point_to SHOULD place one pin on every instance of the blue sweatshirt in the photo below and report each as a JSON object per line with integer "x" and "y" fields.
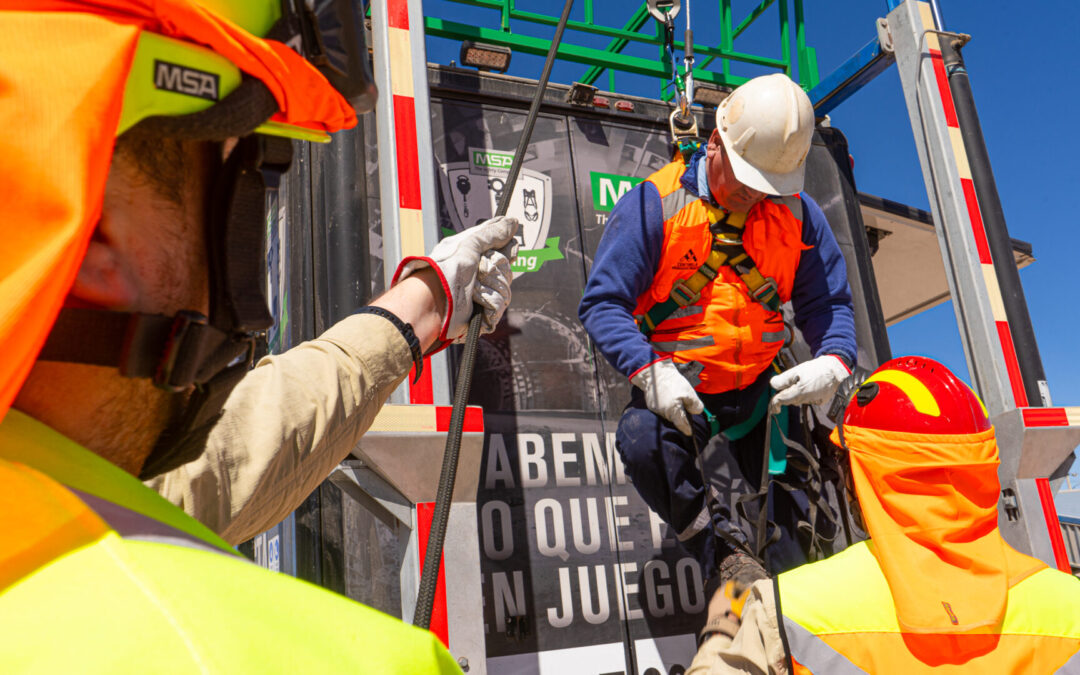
{"x": 627, "y": 258}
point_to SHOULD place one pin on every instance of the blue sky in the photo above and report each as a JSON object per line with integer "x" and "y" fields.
{"x": 1020, "y": 65}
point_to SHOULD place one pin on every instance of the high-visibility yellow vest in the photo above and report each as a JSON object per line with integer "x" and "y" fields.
{"x": 731, "y": 334}
{"x": 837, "y": 616}
{"x": 99, "y": 574}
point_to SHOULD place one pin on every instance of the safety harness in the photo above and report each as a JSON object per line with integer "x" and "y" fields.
{"x": 727, "y": 249}
{"x": 814, "y": 467}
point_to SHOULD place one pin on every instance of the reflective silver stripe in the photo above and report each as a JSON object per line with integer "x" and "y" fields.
{"x": 683, "y": 312}
{"x": 814, "y": 654}
{"x": 684, "y": 345}
{"x": 136, "y": 526}
{"x": 675, "y": 201}
{"x": 702, "y": 519}
{"x": 775, "y": 336}
{"x": 1070, "y": 667}
{"x": 793, "y": 203}
{"x": 699, "y": 524}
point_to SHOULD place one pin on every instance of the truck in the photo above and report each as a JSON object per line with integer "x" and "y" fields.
{"x": 552, "y": 562}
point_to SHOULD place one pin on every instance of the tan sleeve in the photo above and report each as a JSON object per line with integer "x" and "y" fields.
{"x": 756, "y": 648}
{"x": 288, "y": 423}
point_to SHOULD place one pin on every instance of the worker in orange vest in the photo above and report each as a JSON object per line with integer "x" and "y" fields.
{"x": 134, "y": 195}
{"x": 936, "y": 588}
{"x": 684, "y": 299}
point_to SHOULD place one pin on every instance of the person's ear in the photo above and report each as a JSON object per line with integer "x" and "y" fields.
{"x": 105, "y": 280}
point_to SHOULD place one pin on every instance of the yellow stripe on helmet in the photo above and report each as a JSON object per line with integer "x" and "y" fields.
{"x": 915, "y": 390}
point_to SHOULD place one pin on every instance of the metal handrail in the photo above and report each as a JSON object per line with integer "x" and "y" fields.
{"x": 634, "y": 30}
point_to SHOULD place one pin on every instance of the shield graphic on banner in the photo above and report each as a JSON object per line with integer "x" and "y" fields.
{"x": 472, "y": 194}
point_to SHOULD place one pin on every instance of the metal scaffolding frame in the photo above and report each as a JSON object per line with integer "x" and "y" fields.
{"x": 578, "y": 45}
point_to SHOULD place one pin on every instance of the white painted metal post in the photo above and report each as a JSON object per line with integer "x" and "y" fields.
{"x": 1026, "y": 512}
{"x": 406, "y": 172}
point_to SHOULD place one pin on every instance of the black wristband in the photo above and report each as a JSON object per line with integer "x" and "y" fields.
{"x": 845, "y": 360}
{"x": 406, "y": 331}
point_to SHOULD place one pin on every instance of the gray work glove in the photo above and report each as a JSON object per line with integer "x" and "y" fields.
{"x": 474, "y": 267}
{"x": 812, "y": 382}
{"x": 668, "y": 393}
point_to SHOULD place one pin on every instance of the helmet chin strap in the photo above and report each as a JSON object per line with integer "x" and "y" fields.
{"x": 190, "y": 351}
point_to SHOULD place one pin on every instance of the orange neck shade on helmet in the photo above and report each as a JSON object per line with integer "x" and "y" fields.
{"x": 924, "y": 464}
{"x": 63, "y": 71}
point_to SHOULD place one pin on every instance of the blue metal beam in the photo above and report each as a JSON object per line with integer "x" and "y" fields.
{"x": 852, "y": 75}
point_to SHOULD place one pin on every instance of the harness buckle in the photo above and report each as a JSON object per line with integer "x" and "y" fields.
{"x": 764, "y": 290}
{"x": 682, "y": 295}
{"x": 175, "y": 369}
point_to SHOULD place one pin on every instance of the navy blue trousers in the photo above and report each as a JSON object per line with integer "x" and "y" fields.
{"x": 660, "y": 462}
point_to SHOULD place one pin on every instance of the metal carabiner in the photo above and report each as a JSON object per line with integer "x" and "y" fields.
{"x": 662, "y": 10}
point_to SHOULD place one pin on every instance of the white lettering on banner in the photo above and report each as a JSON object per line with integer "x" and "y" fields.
{"x": 577, "y": 529}
{"x": 487, "y": 514}
{"x": 615, "y": 521}
{"x": 655, "y": 593}
{"x": 551, "y": 525}
{"x": 508, "y": 601}
{"x": 660, "y": 532}
{"x": 616, "y": 460}
{"x": 558, "y": 525}
{"x": 599, "y": 464}
{"x": 627, "y": 589}
{"x": 498, "y": 464}
{"x": 602, "y": 464}
{"x": 562, "y": 458}
{"x": 528, "y": 460}
{"x": 581, "y": 524}
{"x": 650, "y": 590}
{"x": 604, "y": 605}
{"x": 567, "y": 617}
{"x": 691, "y": 591}
{"x": 609, "y": 193}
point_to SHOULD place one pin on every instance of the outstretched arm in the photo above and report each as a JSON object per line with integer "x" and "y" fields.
{"x": 296, "y": 415}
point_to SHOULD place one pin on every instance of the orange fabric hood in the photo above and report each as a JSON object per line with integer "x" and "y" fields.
{"x": 929, "y": 502}
{"x": 63, "y": 69}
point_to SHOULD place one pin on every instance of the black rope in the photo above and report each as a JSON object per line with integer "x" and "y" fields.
{"x": 430, "y": 574}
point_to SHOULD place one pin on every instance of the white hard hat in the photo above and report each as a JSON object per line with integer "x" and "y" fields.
{"x": 766, "y": 126}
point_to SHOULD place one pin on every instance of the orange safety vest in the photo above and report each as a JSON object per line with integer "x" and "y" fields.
{"x": 838, "y": 616}
{"x": 731, "y": 335}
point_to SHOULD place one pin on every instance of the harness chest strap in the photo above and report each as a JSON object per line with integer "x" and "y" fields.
{"x": 727, "y": 249}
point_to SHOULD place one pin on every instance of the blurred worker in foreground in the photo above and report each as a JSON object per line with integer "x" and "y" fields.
{"x": 936, "y": 587}
{"x": 154, "y": 251}
{"x": 684, "y": 299}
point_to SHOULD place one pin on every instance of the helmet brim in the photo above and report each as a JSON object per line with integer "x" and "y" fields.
{"x": 781, "y": 184}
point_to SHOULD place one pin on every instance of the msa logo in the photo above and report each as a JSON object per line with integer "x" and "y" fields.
{"x": 182, "y": 80}
{"x": 492, "y": 160}
{"x": 607, "y": 188}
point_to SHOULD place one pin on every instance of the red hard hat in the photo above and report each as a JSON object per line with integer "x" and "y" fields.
{"x": 917, "y": 395}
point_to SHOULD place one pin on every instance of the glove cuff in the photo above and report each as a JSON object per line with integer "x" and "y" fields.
{"x": 844, "y": 360}
{"x": 647, "y": 366}
{"x": 415, "y": 263}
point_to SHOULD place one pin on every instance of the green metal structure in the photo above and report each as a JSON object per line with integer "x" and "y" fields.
{"x": 640, "y": 28}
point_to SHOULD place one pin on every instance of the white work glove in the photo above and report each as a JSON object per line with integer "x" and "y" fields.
{"x": 474, "y": 267}
{"x": 668, "y": 393}
{"x": 812, "y": 382}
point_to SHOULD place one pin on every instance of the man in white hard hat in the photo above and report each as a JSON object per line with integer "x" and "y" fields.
{"x": 683, "y": 298}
